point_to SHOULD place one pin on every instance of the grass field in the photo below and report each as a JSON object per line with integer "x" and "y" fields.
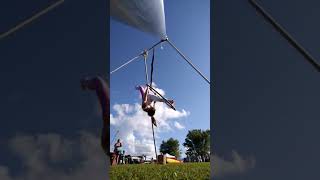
{"x": 156, "y": 171}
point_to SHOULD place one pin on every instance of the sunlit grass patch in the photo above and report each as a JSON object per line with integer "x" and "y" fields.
{"x": 156, "y": 171}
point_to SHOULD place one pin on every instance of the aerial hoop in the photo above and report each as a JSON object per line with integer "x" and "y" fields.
{"x": 158, "y": 94}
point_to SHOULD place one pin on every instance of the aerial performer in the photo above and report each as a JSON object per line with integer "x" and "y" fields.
{"x": 147, "y": 16}
{"x": 149, "y": 100}
{"x": 101, "y": 87}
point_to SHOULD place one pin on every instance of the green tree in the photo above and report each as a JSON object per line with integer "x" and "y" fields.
{"x": 197, "y": 143}
{"x": 171, "y": 146}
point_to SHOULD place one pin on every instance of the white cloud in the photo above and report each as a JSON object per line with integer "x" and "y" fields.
{"x": 112, "y": 120}
{"x": 178, "y": 125}
{"x": 134, "y": 125}
{"x": 237, "y": 165}
{"x": 41, "y": 154}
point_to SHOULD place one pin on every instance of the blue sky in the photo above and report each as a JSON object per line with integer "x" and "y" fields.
{"x": 188, "y": 27}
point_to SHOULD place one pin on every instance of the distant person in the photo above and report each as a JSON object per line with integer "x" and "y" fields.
{"x": 148, "y": 102}
{"x": 123, "y": 157}
{"x": 118, "y": 149}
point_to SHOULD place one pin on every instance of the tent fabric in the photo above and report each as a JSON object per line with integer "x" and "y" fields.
{"x": 169, "y": 156}
{"x": 145, "y": 15}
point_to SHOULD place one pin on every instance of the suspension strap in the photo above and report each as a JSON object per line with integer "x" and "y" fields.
{"x": 154, "y": 142}
{"x": 151, "y": 80}
{"x": 145, "y": 55}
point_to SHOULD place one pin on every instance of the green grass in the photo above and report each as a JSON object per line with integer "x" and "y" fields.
{"x": 156, "y": 171}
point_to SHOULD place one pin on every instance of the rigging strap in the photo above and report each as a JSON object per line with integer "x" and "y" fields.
{"x": 154, "y": 142}
{"x": 145, "y": 55}
{"x": 152, "y": 67}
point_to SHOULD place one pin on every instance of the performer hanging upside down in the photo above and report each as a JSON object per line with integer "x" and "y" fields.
{"x": 148, "y": 102}
{"x": 101, "y": 87}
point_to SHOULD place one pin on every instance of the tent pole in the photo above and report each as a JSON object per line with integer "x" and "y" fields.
{"x": 31, "y": 19}
{"x": 137, "y": 56}
{"x": 188, "y": 60}
{"x": 285, "y": 34}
